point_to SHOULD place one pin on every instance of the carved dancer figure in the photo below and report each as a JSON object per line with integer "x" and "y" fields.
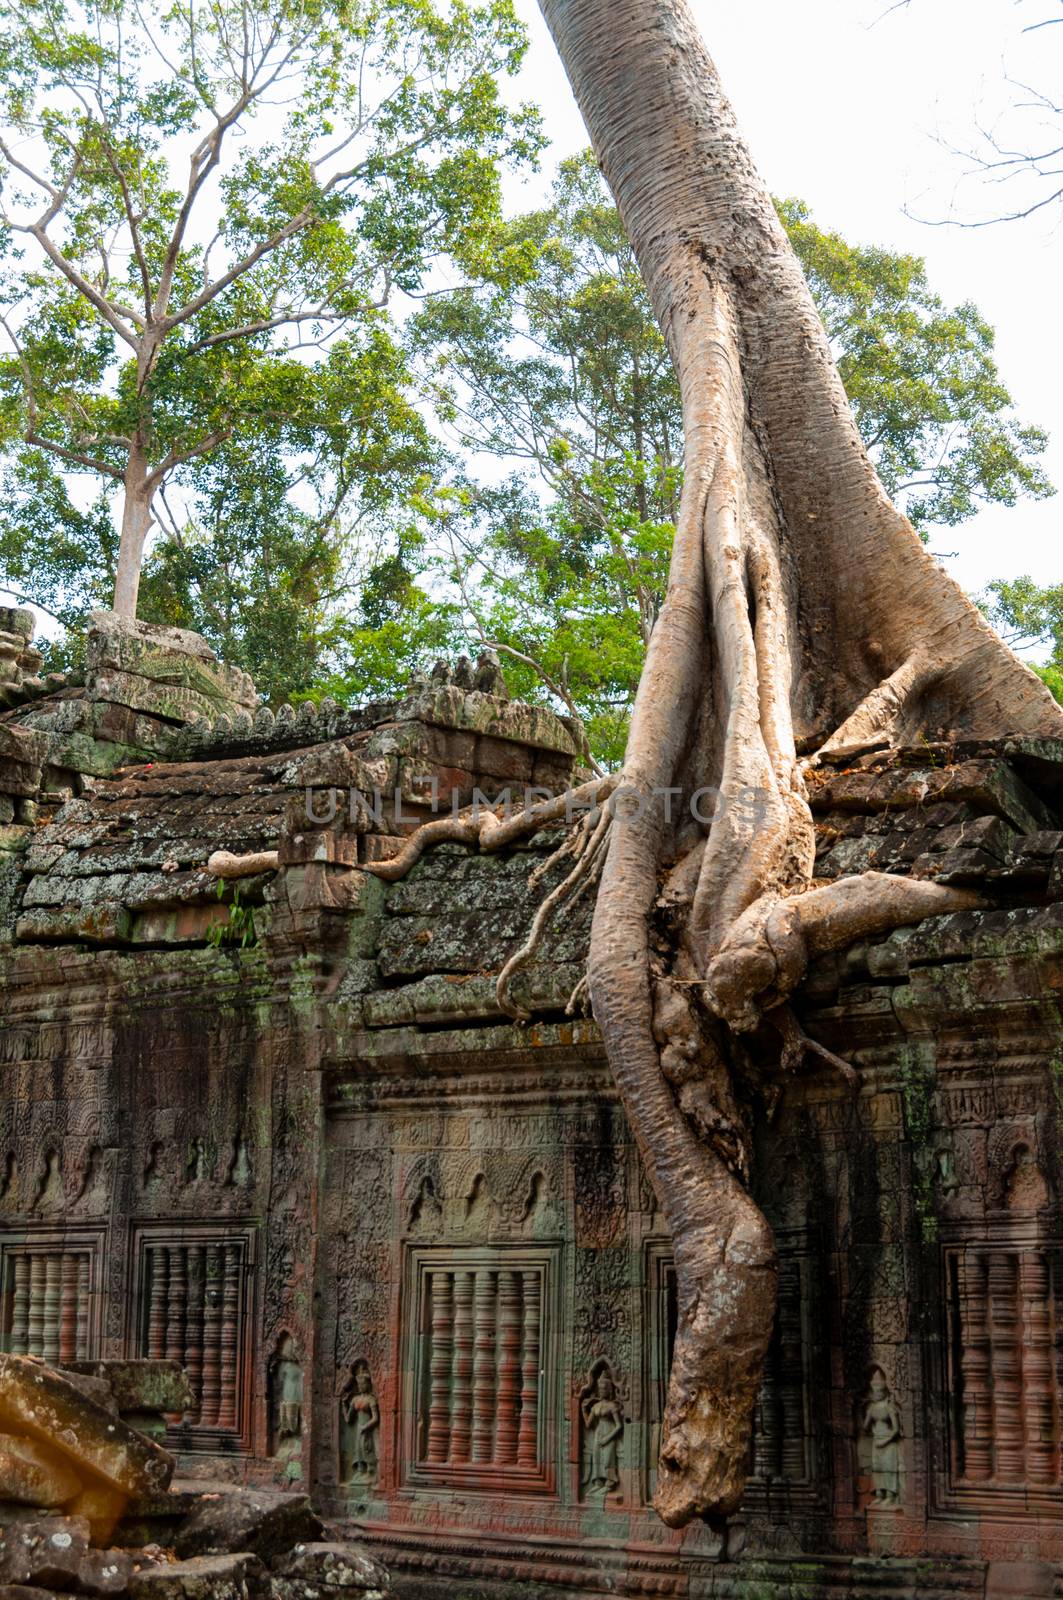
{"x": 603, "y": 1420}
{"x": 882, "y": 1420}
{"x": 361, "y": 1411}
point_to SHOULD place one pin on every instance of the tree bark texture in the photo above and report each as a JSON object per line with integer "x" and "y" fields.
{"x": 802, "y": 614}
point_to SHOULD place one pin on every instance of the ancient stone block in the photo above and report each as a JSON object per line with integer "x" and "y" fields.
{"x": 34, "y": 1475}
{"x": 47, "y": 1551}
{"x": 221, "y": 1577}
{"x": 141, "y": 1385}
{"x": 263, "y": 1521}
{"x": 334, "y": 1566}
{"x": 110, "y": 1460}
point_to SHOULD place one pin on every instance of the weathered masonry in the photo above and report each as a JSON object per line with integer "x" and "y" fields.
{"x": 404, "y": 1248}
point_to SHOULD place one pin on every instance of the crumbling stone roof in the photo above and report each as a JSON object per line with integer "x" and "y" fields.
{"x": 122, "y": 863}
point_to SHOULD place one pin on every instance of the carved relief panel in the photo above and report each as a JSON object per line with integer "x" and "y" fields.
{"x": 50, "y": 1296}
{"x": 481, "y": 1365}
{"x": 191, "y": 1303}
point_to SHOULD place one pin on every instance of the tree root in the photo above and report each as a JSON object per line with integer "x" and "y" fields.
{"x": 480, "y": 826}
{"x": 797, "y": 1047}
{"x": 590, "y": 852}
{"x": 224, "y": 864}
{"x": 766, "y": 954}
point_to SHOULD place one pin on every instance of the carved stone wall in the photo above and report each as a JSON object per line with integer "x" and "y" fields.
{"x": 406, "y": 1250}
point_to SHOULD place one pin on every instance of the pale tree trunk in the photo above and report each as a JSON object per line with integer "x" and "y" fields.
{"x": 802, "y": 613}
{"x": 137, "y": 522}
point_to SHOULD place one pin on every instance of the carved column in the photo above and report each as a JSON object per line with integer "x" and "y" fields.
{"x": 974, "y": 1369}
{"x": 194, "y": 1322}
{"x": 1039, "y": 1397}
{"x": 53, "y": 1267}
{"x": 440, "y": 1290}
{"x": 461, "y": 1392}
{"x": 230, "y": 1334}
{"x": 211, "y": 1390}
{"x": 176, "y": 1299}
{"x": 20, "y": 1306}
{"x": 1008, "y": 1440}
{"x": 507, "y": 1420}
{"x": 528, "y": 1438}
{"x": 82, "y": 1335}
{"x": 68, "y": 1308}
{"x": 483, "y": 1369}
{"x": 35, "y": 1315}
{"x": 157, "y": 1277}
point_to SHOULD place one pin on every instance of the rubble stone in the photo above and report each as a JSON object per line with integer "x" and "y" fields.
{"x": 334, "y": 1566}
{"x": 213, "y": 1577}
{"x": 32, "y": 1474}
{"x": 266, "y": 1522}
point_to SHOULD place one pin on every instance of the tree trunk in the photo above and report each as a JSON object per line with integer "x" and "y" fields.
{"x": 802, "y": 613}
{"x": 137, "y": 521}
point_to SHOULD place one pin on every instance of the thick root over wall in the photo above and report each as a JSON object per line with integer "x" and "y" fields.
{"x": 802, "y": 615}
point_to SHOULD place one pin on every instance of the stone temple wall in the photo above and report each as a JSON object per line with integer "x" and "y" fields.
{"x": 405, "y": 1248}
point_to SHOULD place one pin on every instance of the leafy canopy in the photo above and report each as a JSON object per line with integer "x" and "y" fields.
{"x": 1029, "y": 615}
{"x": 205, "y": 213}
{"x": 564, "y": 379}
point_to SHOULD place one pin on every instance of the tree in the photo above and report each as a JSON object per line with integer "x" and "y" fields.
{"x": 803, "y": 616}
{"x": 1029, "y": 614}
{"x": 333, "y": 153}
{"x": 567, "y": 374}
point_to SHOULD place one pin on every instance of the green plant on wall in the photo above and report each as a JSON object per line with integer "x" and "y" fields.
{"x": 240, "y": 927}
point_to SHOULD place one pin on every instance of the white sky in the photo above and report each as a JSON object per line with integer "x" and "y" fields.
{"x": 848, "y": 112}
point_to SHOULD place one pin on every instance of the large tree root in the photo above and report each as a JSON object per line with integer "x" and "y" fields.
{"x": 802, "y": 614}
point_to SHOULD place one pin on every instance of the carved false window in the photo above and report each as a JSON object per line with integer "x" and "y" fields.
{"x": 782, "y": 1447}
{"x": 50, "y": 1300}
{"x": 1005, "y": 1322}
{"x": 479, "y": 1334}
{"x": 192, "y": 1295}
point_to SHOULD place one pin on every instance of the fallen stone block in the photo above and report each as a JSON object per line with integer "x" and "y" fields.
{"x": 138, "y": 1387}
{"x": 45, "y": 1551}
{"x": 224, "y": 1577}
{"x": 266, "y": 1522}
{"x": 154, "y": 1518}
{"x": 104, "y": 1572}
{"x": 336, "y": 1565}
{"x": 32, "y": 1474}
{"x": 111, "y": 1461}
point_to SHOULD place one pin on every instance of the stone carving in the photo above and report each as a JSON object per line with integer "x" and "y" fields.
{"x": 1025, "y": 1188}
{"x": 426, "y": 1214}
{"x": 285, "y": 1398}
{"x": 196, "y": 1165}
{"x": 603, "y": 1430}
{"x": 882, "y": 1426}
{"x": 359, "y": 1426}
{"x": 50, "y": 1187}
{"x": 240, "y": 1167}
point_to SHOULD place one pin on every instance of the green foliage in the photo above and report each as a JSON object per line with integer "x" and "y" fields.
{"x": 1028, "y": 614}
{"x": 207, "y": 211}
{"x": 565, "y": 373}
{"x": 239, "y": 929}
{"x": 921, "y": 379}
